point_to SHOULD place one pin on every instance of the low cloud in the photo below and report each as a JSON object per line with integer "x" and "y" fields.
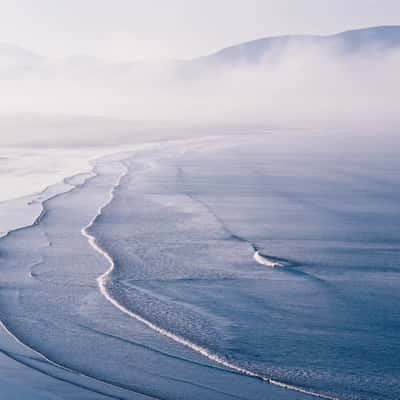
{"x": 298, "y": 87}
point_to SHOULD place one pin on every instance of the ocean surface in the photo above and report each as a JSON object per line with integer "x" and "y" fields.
{"x": 139, "y": 279}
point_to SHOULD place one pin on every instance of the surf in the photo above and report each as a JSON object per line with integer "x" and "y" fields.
{"x": 103, "y": 280}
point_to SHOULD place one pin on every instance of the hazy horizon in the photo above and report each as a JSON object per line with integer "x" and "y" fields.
{"x": 88, "y": 68}
{"x": 295, "y": 85}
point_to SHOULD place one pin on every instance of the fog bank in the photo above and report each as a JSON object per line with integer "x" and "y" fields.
{"x": 307, "y": 86}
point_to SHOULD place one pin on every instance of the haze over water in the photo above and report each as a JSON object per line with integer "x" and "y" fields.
{"x": 183, "y": 220}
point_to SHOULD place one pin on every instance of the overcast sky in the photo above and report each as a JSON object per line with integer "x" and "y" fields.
{"x": 160, "y": 29}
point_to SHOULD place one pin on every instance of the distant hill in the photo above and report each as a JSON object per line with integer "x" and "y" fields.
{"x": 385, "y": 37}
{"x": 13, "y": 56}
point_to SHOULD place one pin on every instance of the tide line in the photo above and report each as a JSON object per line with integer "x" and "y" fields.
{"x": 102, "y": 284}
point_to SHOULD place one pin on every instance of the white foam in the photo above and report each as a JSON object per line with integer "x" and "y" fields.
{"x": 102, "y": 284}
{"x": 261, "y": 259}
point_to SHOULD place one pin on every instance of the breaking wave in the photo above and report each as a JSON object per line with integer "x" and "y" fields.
{"x": 105, "y": 278}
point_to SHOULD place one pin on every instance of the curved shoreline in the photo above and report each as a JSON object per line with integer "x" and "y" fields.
{"x": 102, "y": 284}
{"x": 37, "y": 219}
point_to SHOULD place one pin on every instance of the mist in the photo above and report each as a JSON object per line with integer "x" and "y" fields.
{"x": 300, "y": 86}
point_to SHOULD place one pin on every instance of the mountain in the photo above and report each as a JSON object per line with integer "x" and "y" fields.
{"x": 383, "y": 37}
{"x": 13, "y": 56}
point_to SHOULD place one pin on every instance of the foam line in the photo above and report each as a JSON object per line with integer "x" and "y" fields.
{"x": 102, "y": 284}
{"x": 3, "y": 325}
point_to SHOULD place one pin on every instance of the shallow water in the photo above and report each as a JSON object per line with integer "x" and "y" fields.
{"x": 327, "y": 321}
{"x": 180, "y": 222}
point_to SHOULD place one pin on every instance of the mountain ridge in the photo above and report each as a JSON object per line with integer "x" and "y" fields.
{"x": 385, "y": 37}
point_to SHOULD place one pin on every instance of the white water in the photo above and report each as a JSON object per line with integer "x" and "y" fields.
{"x": 266, "y": 261}
{"x": 102, "y": 284}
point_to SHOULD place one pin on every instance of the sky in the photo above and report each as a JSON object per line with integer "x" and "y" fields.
{"x": 119, "y": 30}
